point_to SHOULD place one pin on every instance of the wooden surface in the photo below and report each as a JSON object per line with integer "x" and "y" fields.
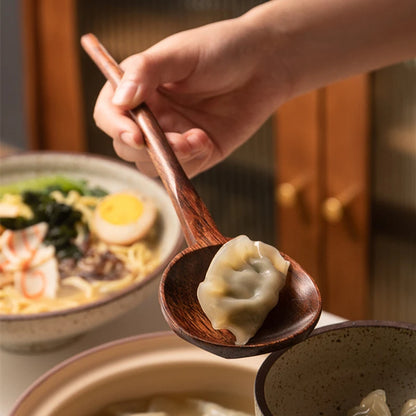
{"x": 299, "y": 143}
{"x": 323, "y": 138}
{"x": 290, "y": 321}
{"x": 52, "y": 75}
{"x": 347, "y": 177}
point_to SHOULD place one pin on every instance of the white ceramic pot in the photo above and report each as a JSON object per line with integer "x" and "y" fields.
{"x": 140, "y": 367}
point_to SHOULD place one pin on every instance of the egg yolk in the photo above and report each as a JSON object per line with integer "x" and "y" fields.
{"x": 121, "y": 209}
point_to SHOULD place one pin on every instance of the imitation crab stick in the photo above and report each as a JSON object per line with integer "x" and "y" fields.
{"x": 18, "y": 248}
{"x": 39, "y": 281}
{"x": 35, "y": 276}
{"x": 33, "y": 264}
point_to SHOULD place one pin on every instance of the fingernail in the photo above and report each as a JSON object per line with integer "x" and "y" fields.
{"x": 128, "y": 138}
{"x": 124, "y": 92}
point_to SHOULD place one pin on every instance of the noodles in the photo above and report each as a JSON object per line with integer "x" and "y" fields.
{"x": 103, "y": 269}
{"x": 16, "y": 200}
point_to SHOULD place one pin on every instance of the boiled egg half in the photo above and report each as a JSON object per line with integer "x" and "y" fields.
{"x": 123, "y": 218}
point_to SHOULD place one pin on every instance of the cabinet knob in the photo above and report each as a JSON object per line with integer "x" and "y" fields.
{"x": 287, "y": 194}
{"x": 333, "y": 210}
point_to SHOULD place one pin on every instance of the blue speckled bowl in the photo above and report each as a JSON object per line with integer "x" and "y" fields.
{"x": 332, "y": 370}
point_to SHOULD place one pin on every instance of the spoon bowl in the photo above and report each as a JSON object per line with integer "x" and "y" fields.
{"x": 289, "y": 322}
{"x": 299, "y": 306}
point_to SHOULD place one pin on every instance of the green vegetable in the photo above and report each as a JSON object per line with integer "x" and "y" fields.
{"x": 50, "y": 183}
{"x": 41, "y": 183}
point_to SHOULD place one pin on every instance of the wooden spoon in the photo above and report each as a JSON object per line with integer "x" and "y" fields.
{"x": 299, "y": 306}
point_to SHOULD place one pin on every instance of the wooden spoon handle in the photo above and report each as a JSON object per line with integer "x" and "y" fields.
{"x": 197, "y": 224}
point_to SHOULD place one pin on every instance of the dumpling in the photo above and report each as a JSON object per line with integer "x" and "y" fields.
{"x": 176, "y": 406}
{"x": 242, "y": 285}
{"x": 169, "y": 405}
{"x": 374, "y": 404}
{"x": 409, "y": 408}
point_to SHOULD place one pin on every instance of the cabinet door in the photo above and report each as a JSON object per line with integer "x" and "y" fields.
{"x": 52, "y": 75}
{"x": 322, "y": 166}
{"x": 346, "y": 204}
{"x": 299, "y": 144}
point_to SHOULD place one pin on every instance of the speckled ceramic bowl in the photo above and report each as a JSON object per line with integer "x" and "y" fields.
{"x": 139, "y": 367}
{"x": 331, "y": 371}
{"x": 35, "y": 332}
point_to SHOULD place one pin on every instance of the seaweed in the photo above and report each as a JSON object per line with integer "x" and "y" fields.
{"x": 61, "y": 220}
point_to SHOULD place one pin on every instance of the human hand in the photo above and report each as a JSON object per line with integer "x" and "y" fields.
{"x": 210, "y": 89}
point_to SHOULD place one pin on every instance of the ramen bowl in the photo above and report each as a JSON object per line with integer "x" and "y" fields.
{"x": 336, "y": 367}
{"x": 140, "y": 367}
{"x": 33, "y": 332}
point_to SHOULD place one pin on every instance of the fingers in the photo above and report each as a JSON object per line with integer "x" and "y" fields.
{"x": 114, "y": 121}
{"x": 165, "y": 63}
{"x": 136, "y": 83}
{"x": 169, "y": 61}
{"x": 194, "y": 150}
{"x": 143, "y": 74}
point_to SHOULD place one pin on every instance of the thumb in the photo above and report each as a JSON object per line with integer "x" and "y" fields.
{"x": 163, "y": 63}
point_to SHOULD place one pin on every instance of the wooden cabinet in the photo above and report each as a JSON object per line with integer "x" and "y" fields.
{"x": 322, "y": 193}
{"x": 54, "y": 109}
